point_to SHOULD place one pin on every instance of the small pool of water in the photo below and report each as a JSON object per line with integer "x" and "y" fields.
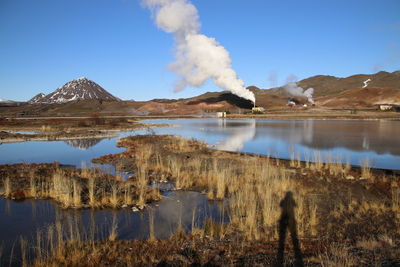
{"x": 176, "y": 209}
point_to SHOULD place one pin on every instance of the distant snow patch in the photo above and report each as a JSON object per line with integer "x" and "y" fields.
{"x": 366, "y": 83}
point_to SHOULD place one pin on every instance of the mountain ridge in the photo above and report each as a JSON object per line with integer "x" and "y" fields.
{"x": 364, "y": 91}
{"x": 77, "y": 89}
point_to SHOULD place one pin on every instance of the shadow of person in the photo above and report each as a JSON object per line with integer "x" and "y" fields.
{"x": 288, "y": 221}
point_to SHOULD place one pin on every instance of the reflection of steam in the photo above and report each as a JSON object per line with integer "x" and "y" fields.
{"x": 239, "y": 135}
{"x": 83, "y": 144}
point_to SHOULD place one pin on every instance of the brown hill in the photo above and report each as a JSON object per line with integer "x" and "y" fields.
{"x": 361, "y": 97}
{"x": 357, "y": 91}
{"x": 329, "y": 85}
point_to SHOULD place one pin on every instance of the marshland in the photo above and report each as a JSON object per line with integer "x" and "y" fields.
{"x": 202, "y": 191}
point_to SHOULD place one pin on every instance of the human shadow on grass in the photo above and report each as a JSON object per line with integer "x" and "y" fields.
{"x": 287, "y": 221}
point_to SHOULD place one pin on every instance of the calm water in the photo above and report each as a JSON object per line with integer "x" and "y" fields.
{"x": 25, "y": 219}
{"x": 378, "y": 141}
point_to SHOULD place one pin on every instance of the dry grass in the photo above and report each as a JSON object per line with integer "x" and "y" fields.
{"x": 114, "y": 229}
{"x": 253, "y": 185}
{"x": 369, "y": 244}
{"x": 396, "y": 199}
{"x": 46, "y": 128}
{"x": 142, "y": 184}
{"x": 152, "y": 236}
{"x": 91, "y": 192}
{"x": 337, "y": 256}
{"x": 366, "y": 169}
{"x": 24, "y": 247}
{"x": 7, "y": 187}
{"x": 87, "y": 188}
{"x": 33, "y": 190}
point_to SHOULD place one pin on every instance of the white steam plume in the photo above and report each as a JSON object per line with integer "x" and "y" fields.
{"x": 198, "y": 57}
{"x": 292, "y": 89}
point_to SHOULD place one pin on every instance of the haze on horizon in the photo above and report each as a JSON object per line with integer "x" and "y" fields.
{"x": 45, "y": 43}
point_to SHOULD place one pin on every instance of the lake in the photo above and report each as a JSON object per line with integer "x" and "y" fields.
{"x": 353, "y": 141}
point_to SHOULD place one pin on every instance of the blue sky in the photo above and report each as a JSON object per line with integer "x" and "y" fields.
{"x": 46, "y": 43}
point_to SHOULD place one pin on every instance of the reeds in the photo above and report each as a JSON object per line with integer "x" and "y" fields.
{"x": 24, "y": 247}
{"x": 152, "y": 236}
{"x": 366, "y": 169}
{"x": 396, "y": 200}
{"x": 114, "y": 199}
{"x": 46, "y": 128}
{"x": 114, "y": 229}
{"x": 7, "y": 187}
{"x": 338, "y": 255}
{"x": 32, "y": 185}
{"x": 87, "y": 188}
{"x": 142, "y": 185}
{"x": 91, "y": 192}
{"x": 254, "y": 185}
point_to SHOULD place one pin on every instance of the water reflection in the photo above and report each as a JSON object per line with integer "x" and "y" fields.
{"x": 381, "y": 137}
{"x": 50, "y": 151}
{"x": 239, "y": 135}
{"x": 176, "y": 209}
{"x": 291, "y": 132}
{"x": 83, "y": 144}
{"x": 356, "y": 140}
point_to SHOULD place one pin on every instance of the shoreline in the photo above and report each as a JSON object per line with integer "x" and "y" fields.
{"x": 321, "y": 113}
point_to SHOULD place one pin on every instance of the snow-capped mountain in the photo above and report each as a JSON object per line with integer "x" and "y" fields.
{"x": 37, "y": 98}
{"x": 5, "y": 101}
{"x": 78, "y": 89}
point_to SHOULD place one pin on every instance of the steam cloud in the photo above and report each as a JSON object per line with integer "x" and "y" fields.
{"x": 198, "y": 57}
{"x": 292, "y": 89}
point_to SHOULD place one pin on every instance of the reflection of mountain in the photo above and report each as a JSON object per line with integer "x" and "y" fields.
{"x": 291, "y": 132}
{"x": 83, "y": 144}
{"x": 377, "y": 136}
{"x": 239, "y": 134}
